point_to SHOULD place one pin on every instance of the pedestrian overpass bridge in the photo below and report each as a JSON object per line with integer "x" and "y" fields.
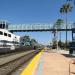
{"x": 36, "y": 27}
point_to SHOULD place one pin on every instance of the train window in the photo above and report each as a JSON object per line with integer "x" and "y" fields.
{"x": 5, "y": 34}
{"x": 9, "y": 35}
{"x": 1, "y": 33}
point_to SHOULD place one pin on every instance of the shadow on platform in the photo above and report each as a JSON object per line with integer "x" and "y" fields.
{"x": 68, "y": 55}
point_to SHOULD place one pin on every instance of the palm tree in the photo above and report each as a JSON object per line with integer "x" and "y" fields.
{"x": 58, "y": 25}
{"x": 71, "y": 1}
{"x": 65, "y": 9}
{"x": 54, "y": 32}
{"x": 54, "y": 40}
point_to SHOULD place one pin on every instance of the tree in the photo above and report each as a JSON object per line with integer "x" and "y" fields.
{"x": 25, "y": 40}
{"x": 54, "y": 31}
{"x": 54, "y": 40}
{"x": 58, "y": 25}
{"x": 33, "y": 42}
{"x": 65, "y": 9}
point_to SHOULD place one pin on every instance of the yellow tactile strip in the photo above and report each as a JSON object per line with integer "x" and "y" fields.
{"x": 29, "y": 70}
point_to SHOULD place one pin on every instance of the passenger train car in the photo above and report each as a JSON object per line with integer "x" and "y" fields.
{"x": 8, "y": 40}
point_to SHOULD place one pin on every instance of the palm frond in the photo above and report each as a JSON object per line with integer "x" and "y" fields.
{"x": 66, "y": 8}
{"x": 58, "y": 23}
{"x": 61, "y": 10}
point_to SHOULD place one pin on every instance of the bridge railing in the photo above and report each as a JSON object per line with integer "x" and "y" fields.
{"x": 29, "y": 27}
{"x": 35, "y": 27}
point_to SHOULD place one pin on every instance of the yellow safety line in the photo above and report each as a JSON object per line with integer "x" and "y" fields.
{"x": 29, "y": 70}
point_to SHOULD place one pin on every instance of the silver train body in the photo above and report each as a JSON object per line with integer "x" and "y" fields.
{"x": 8, "y": 40}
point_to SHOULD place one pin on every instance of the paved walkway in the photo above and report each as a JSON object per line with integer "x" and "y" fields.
{"x": 52, "y": 63}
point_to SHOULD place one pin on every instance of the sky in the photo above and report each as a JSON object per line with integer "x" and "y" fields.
{"x": 34, "y": 11}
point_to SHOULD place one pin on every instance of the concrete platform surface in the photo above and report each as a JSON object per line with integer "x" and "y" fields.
{"x": 52, "y": 63}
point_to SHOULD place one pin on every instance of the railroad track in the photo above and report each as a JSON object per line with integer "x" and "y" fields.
{"x": 9, "y": 54}
{"x": 9, "y": 67}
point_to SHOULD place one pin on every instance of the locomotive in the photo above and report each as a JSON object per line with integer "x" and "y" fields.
{"x": 8, "y": 40}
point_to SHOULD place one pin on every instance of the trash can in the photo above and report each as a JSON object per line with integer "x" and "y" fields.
{"x": 71, "y": 51}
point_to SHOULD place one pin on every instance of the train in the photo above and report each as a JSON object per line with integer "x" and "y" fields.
{"x": 8, "y": 41}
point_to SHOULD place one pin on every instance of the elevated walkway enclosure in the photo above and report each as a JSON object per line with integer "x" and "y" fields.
{"x": 30, "y": 27}
{"x": 33, "y": 27}
{"x": 36, "y": 27}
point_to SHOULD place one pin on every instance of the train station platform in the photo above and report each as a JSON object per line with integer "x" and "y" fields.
{"x": 49, "y": 63}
